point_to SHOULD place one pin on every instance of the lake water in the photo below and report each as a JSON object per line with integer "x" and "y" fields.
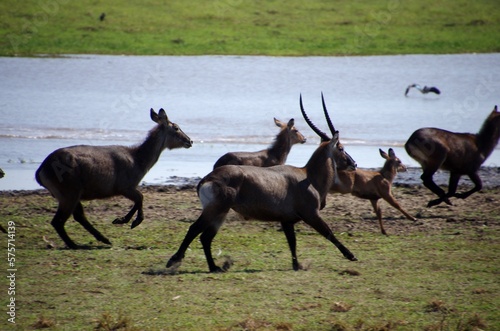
{"x": 227, "y": 103}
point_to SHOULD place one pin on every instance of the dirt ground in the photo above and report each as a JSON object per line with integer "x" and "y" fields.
{"x": 344, "y": 213}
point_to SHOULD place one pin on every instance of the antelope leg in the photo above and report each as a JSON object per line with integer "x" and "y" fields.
{"x": 79, "y": 216}
{"x": 478, "y": 185}
{"x": 288, "y": 229}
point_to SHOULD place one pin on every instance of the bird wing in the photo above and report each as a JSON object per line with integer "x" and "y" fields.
{"x": 434, "y": 90}
{"x": 408, "y": 88}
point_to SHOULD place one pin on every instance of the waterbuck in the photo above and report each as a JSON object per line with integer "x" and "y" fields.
{"x": 274, "y": 155}
{"x": 373, "y": 185}
{"x": 458, "y": 153}
{"x": 282, "y": 193}
{"x": 83, "y": 172}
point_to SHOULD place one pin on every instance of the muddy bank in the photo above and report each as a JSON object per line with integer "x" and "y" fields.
{"x": 489, "y": 175}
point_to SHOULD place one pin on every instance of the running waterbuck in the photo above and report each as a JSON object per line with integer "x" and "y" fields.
{"x": 458, "y": 153}
{"x": 83, "y": 172}
{"x": 282, "y": 193}
{"x": 274, "y": 155}
{"x": 373, "y": 185}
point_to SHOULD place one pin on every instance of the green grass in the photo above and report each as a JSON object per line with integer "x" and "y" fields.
{"x": 436, "y": 275}
{"x": 281, "y": 28}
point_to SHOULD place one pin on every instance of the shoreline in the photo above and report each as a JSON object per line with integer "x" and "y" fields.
{"x": 490, "y": 177}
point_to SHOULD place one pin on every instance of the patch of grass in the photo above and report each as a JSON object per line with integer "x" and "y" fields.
{"x": 288, "y": 28}
{"x": 424, "y": 276}
{"x": 108, "y": 323}
{"x": 43, "y": 323}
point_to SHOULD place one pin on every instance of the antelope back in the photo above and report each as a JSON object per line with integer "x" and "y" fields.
{"x": 174, "y": 136}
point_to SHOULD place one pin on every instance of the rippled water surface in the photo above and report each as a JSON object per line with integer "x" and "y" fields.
{"x": 227, "y": 103}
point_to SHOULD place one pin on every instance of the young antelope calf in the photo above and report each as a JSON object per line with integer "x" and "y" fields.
{"x": 373, "y": 185}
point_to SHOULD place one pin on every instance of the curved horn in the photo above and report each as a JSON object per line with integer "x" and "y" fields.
{"x": 320, "y": 133}
{"x": 328, "y": 120}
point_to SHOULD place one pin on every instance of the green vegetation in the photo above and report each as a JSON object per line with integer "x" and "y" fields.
{"x": 440, "y": 273}
{"x": 289, "y": 28}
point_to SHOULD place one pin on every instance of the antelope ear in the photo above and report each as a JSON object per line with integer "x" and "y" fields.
{"x": 154, "y": 116}
{"x": 278, "y": 123}
{"x": 335, "y": 138}
{"x": 291, "y": 123}
{"x": 391, "y": 153}
{"x": 383, "y": 154}
{"x": 162, "y": 115}
{"x": 495, "y": 110}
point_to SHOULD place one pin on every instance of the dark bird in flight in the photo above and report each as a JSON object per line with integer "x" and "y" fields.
{"x": 424, "y": 90}
{"x": 101, "y": 18}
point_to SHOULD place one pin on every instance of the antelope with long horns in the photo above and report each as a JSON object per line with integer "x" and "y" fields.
{"x": 83, "y": 172}
{"x": 459, "y": 153}
{"x": 282, "y": 193}
{"x": 274, "y": 155}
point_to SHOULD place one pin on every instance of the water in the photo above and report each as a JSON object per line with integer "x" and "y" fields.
{"x": 227, "y": 103}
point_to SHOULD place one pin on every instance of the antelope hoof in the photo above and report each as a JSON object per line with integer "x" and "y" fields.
{"x": 72, "y": 246}
{"x": 121, "y": 220}
{"x": 436, "y": 202}
{"x": 297, "y": 266}
{"x": 217, "y": 270}
{"x": 104, "y": 240}
{"x": 351, "y": 258}
{"x": 433, "y": 203}
{"x": 136, "y": 222}
{"x": 174, "y": 262}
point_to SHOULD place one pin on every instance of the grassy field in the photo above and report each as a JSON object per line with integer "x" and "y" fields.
{"x": 289, "y": 28}
{"x": 440, "y": 273}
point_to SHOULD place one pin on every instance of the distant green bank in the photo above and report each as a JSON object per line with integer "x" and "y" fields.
{"x": 238, "y": 27}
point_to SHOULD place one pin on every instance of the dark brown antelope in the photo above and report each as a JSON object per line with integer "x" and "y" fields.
{"x": 373, "y": 185}
{"x": 282, "y": 193}
{"x": 459, "y": 153}
{"x": 274, "y": 155}
{"x": 82, "y": 172}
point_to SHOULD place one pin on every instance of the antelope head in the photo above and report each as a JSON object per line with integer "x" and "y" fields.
{"x": 174, "y": 136}
{"x": 295, "y": 136}
{"x": 343, "y": 160}
{"x": 393, "y": 160}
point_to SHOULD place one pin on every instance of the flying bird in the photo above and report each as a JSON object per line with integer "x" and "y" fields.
{"x": 424, "y": 90}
